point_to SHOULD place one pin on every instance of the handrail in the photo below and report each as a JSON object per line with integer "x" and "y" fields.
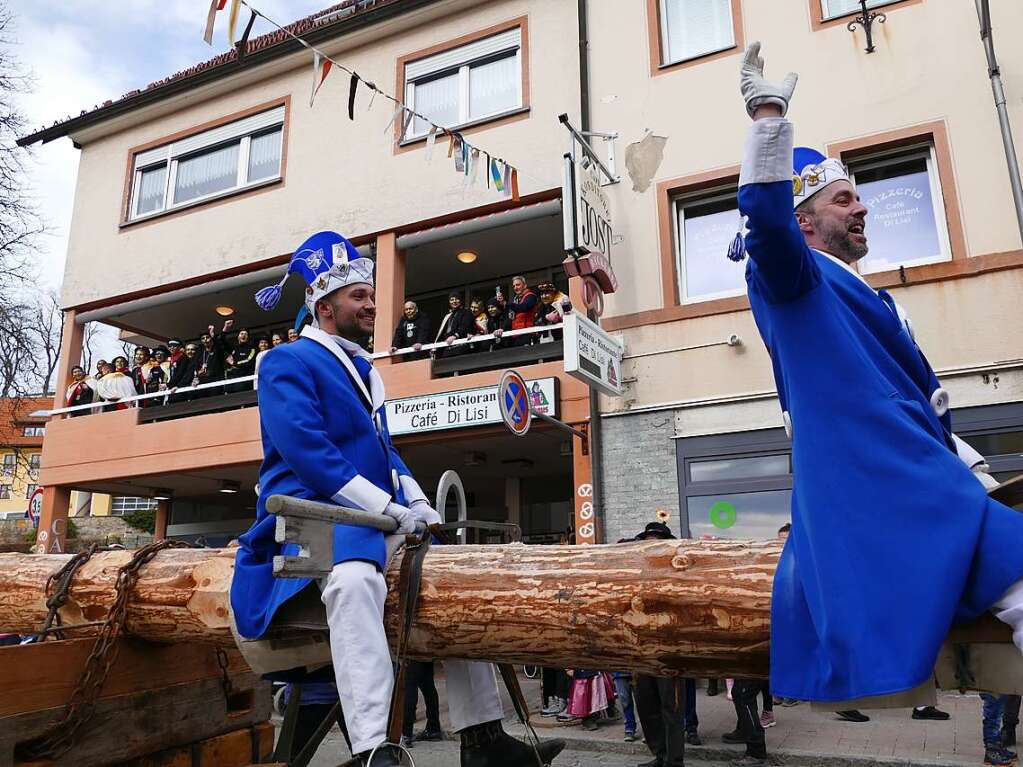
{"x": 540, "y": 329}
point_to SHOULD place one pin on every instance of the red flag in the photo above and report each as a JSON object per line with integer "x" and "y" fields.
{"x": 321, "y": 68}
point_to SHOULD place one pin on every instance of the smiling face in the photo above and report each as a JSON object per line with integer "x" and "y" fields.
{"x": 191, "y": 350}
{"x": 263, "y": 344}
{"x": 141, "y": 355}
{"x": 276, "y": 339}
{"x": 454, "y": 302}
{"x": 77, "y": 373}
{"x": 120, "y": 364}
{"x": 349, "y": 312}
{"x": 292, "y": 335}
{"x": 476, "y": 307}
{"x": 834, "y": 220}
{"x": 206, "y": 340}
{"x": 410, "y": 310}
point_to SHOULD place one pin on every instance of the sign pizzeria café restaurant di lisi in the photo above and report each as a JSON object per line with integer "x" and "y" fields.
{"x": 458, "y": 409}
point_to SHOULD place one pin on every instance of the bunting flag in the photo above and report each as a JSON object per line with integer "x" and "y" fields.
{"x": 495, "y": 173}
{"x": 431, "y": 139}
{"x": 515, "y": 184}
{"x": 321, "y": 68}
{"x": 352, "y": 85}
{"x": 506, "y": 178}
{"x": 459, "y": 146}
{"x": 211, "y": 17}
{"x": 243, "y": 44}
{"x": 232, "y": 21}
{"x": 474, "y": 164}
{"x": 400, "y": 108}
{"x": 405, "y": 123}
{"x": 451, "y": 144}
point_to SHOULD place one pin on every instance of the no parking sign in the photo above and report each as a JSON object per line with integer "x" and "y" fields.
{"x": 513, "y": 399}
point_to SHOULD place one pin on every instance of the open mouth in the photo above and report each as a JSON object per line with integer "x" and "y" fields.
{"x": 856, "y": 228}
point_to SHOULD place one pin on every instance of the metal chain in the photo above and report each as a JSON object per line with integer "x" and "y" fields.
{"x": 225, "y": 679}
{"x": 59, "y": 738}
{"x": 60, "y": 596}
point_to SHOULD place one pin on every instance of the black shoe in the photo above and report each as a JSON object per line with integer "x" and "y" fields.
{"x": 733, "y": 737}
{"x": 430, "y": 734}
{"x": 488, "y": 745}
{"x": 385, "y": 756}
{"x": 712, "y": 687}
{"x": 655, "y": 762}
{"x": 693, "y": 739}
{"x": 853, "y": 716}
{"x": 1008, "y": 736}
{"x": 930, "y": 712}
{"x": 408, "y": 741}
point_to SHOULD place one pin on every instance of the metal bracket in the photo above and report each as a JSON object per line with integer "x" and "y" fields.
{"x": 581, "y": 139}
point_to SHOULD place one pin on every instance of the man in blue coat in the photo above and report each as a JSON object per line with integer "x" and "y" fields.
{"x": 325, "y": 438}
{"x": 893, "y": 537}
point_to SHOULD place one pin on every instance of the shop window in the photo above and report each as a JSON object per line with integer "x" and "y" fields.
{"x": 831, "y": 9}
{"x": 694, "y": 28}
{"x": 207, "y": 165}
{"x": 735, "y": 485}
{"x": 29, "y": 489}
{"x": 906, "y": 223}
{"x": 705, "y": 225}
{"x": 126, "y": 504}
{"x": 466, "y": 84}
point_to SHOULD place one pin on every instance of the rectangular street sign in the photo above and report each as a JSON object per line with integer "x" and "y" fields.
{"x": 592, "y": 356}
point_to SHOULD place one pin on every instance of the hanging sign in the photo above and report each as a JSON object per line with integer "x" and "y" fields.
{"x": 586, "y": 209}
{"x": 592, "y": 356}
{"x": 459, "y": 409}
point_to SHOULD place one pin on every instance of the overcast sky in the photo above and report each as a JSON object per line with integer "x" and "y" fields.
{"x": 82, "y": 52}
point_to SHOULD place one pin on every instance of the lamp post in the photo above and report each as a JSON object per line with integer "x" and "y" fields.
{"x": 866, "y": 20}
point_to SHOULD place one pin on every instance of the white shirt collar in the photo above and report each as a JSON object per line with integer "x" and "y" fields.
{"x": 844, "y": 265}
{"x": 352, "y": 348}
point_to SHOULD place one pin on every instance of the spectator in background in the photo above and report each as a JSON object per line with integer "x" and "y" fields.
{"x": 293, "y": 335}
{"x": 79, "y": 392}
{"x": 155, "y": 382}
{"x": 419, "y": 678}
{"x": 498, "y": 321}
{"x": 102, "y": 368}
{"x": 117, "y": 384}
{"x": 1010, "y": 720}
{"x": 161, "y": 356}
{"x": 623, "y": 689}
{"x": 749, "y": 729}
{"x": 212, "y": 358}
{"x": 140, "y": 372}
{"x": 276, "y": 339}
{"x": 554, "y": 305}
{"x": 262, "y": 347}
{"x": 241, "y": 361}
{"x": 457, "y": 323}
{"x": 413, "y": 330}
{"x": 523, "y": 306}
{"x": 182, "y": 370}
{"x": 995, "y": 753}
{"x": 591, "y": 695}
{"x": 554, "y": 690}
{"x": 176, "y": 350}
{"x": 478, "y": 310}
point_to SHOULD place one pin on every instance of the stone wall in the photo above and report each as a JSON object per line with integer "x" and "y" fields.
{"x": 640, "y": 475}
{"x": 103, "y": 530}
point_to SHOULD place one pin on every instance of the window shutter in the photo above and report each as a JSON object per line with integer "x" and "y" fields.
{"x": 464, "y": 54}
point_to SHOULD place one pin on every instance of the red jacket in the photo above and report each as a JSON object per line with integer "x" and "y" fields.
{"x": 524, "y": 310}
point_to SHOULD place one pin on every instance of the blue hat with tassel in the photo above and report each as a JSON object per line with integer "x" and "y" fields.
{"x": 327, "y": 262}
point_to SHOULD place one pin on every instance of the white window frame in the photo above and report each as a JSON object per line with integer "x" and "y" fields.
{"x": 34, "y": 431}
{"x": 461, "y": 59}
{"x": 118, "y": 507}
{"x": 924, "y": 151}
{"x": 828, "y": 16}
{"x": 678, "y": 205}
{"x": 666, "y": 59}
{"x": 169, "y": 155}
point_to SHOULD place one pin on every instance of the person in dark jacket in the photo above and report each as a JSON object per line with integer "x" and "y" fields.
{"x": 212, "y": 359}
{"x": 498, "y": 322}
{"x": 241, "y": 362}
{"x": 413, "y": 330}
{"x": 183, "y": 373}
{"x": 457, "y": 323}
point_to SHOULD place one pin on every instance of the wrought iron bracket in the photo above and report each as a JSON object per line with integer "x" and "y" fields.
{"x": 866, "y": 20}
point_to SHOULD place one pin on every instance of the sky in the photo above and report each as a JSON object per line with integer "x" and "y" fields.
{"x": 83, "y": 52}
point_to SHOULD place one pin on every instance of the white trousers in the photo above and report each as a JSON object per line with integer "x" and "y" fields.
{"x": 1009, "y": 609}
{"x": 354, "y": 595}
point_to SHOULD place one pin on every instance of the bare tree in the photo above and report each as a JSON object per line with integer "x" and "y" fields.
{"x": 45, "y": 333}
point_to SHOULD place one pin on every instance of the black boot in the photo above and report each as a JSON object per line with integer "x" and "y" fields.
{"x": 488, "y": 745}
{"x": 385, "y": 756}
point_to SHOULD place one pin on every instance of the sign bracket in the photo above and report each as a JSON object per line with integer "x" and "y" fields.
{"x": 581, "y": 139}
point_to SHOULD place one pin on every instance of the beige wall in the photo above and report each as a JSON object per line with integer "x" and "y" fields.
{"x": 340, "y": 174}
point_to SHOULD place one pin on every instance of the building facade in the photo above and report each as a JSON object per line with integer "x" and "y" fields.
{"x": 195, "y": 191}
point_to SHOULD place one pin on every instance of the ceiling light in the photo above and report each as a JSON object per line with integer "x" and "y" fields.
{"x": 162, "y": 494}
{"x": 225, "y": 311}
{"x": 229, "y": 487}
{"x": 466, "y": 256}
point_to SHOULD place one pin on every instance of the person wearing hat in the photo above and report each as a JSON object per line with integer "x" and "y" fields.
{"x": 666, "y": 707}
{"x": 325, "y": 438}
{"x": 893, "y": 537}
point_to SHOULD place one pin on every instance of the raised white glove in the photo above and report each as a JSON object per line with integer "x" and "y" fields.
{"x": 756, "y": 90}
{"x": 425, "y": 513}
{"x": 403, "y": 516}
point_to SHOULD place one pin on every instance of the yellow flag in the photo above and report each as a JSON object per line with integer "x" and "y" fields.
{"x": 232, "y": 20}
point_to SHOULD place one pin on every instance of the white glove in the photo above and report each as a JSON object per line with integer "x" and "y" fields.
{"x": 403, "y": 516}
{"x": 756, "y": 90}
{"x": 425, "y": 513}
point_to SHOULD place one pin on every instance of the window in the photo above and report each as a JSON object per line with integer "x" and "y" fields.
{"x": 735, "y": 485}
{"x": 34, "y": 431}
{"x": 5, "y": 492}
{"x": 694, "y": 28}
{"x": 126, "y": 504}
{"x": 10, "y": 460}
{"x": 29, "y": 489}
{"x": 705, "y": 226}
{"x": 831, "y": 9}
{"x": 33, "y": 461}
{"x": 235, "y": 156}
{"x": 467, "y": 84}
{"x": 996, "y": 432}
{"x": 906, "y": 223}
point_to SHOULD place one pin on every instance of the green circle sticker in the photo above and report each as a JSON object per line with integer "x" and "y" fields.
{"x": 722, "y": 515}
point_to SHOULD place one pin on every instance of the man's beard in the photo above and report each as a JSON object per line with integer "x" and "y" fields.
{"x": 840, "y": 244}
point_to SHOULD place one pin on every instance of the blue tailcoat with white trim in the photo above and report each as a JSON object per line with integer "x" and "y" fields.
{"x": 893, "y": 539}
{"x": 325, "y": 439}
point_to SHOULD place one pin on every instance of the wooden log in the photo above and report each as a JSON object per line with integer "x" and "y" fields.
{"x": 670, "y": 608}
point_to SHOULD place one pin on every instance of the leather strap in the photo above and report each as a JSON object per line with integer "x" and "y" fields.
{"x": 511, "y": 681}
{"x": 409, "y": 580}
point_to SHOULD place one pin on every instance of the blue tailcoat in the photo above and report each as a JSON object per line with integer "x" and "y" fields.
{"x": 325, "y": 439}
{"x": 892, "y": 537}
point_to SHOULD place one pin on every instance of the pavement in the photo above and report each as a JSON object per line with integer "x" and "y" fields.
{"x": 802, "y": 737}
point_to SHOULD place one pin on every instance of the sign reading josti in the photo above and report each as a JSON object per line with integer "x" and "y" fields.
{"x": 592, "y": 356}
{"x": 592, "y": 210}
{"x": 458, "y": 409}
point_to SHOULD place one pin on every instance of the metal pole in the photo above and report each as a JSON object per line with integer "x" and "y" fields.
{"x": 994, "y": 73}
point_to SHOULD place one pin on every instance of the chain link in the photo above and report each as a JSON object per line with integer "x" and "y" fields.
{"x": 59, "y": 738}
{"x": 225, "y": 678}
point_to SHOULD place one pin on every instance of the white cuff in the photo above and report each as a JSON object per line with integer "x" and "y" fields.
{"x": 362, "y": 494}
{"x": 413, "y": 492}
{"x": 767, "y": 155}
{"x": 967, "y": 454}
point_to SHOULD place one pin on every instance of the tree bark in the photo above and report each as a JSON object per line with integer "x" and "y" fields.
{"x": 691, "y": 608}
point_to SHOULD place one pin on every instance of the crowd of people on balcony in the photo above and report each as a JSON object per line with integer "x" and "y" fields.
{"x": 526, "y": 308}
{"x": 172, "y": 367}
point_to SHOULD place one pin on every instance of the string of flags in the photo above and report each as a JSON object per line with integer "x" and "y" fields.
{"x": 468, "y": 159}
